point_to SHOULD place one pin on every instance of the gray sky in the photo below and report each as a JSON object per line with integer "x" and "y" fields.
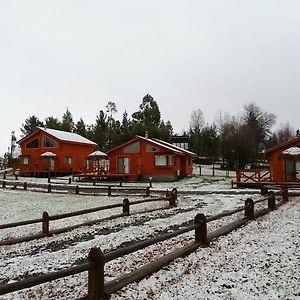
{"x": 214, "y": 55}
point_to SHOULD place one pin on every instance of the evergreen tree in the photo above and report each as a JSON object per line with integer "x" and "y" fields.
{"x": 31, "y": 124}
{"x": 80, "y": 128}
{"x": 67, "y": 123}
{"x": 53, "y": 123}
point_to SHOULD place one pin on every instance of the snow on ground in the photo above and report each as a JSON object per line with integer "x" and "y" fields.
{"x": 260, "y": 260}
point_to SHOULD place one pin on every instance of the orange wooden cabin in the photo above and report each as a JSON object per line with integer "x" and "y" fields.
{"x": 50, "y": 152}
{"x": 284, "y": 161}
{"x": 143, "y": 158}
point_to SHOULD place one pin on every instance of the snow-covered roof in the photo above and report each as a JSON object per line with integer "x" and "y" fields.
{"x": 67, "y": 136}
{"x": 48, "y": 154}
{"x": 161, "y": 144}
{"x": 292, "y": 151}
{"x": 97, "y": 154}
{"x": 176, "y": 147}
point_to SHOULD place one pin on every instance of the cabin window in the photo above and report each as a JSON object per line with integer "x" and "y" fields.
{"x": 132, "y": 148}
{"x": 48, "y": 143}
{"x": 33, "y": 144}
{"x": 68, "y": 160}
{"x": 164, "y": 160}
{"x": 123, "y": 165}
{"x": 151, "y": 148}
{"x": 25, "y": 160}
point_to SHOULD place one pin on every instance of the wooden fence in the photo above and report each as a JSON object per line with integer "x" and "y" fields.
{"x": 46, "y": 218}
{"x": 109, "y": 190}
{"x": 99, "y": 289}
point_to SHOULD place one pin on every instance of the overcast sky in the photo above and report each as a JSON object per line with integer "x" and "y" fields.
{"x": 213, "y": 55}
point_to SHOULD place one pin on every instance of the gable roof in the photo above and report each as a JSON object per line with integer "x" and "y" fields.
{"x": 284, "y": 146}
{"x": 158, "y": 143}
{"x": 62, "y": 136}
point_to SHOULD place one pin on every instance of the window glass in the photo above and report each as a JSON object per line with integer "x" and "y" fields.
{"x": 132, "y": 148}
{"x": 160, "y": 160}
{"x": 48, "y": 143}
{"x": 68, "y": 160}
{"x": 33, "y": 144}
{"x": 25, "y": 160}
{"x": 150, "y": 148}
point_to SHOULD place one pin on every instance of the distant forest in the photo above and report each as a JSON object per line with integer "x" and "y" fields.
{"x": 236, "y": 140}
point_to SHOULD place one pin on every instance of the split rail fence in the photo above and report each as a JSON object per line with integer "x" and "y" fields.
{"x": 109, "y": 190}
{"x": 99, "y": 289}
{"x": 46, "y": 218}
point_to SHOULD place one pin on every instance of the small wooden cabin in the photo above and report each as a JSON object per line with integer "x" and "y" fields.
{"x": 144, "y": 158}
{"x": 53, "y": 152}
{"x": 284, "y": 161}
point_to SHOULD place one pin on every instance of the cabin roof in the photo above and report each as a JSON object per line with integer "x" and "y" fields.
{"x": 63, "y": 136}
{"x": 284, "y": 146}
{"x": 159, "y": 143}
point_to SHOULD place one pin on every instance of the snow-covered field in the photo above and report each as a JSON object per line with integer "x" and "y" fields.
{"x": 258, "y": 261}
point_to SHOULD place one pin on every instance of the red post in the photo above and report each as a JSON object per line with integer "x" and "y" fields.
{"x": 201, "y": 230}
{"x": 96, "y": 275}
{"x": 249, "y": 209}
{"x": 126, "y": 207}
{"x": 45, "y": 228}
{"x": 238, "y": 175}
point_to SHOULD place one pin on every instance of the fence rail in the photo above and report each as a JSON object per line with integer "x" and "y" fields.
{"x": 99, "y": 289}
{"x": 46, "y": 218}
{"x": 108, "y": 190}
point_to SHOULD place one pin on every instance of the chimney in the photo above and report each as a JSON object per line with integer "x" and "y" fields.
{"x": 146, "y": 134}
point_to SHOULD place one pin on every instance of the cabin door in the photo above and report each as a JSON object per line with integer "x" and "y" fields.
{"x": 290, "y": 170}
{"x": 49, "y": 164}
{"x": 298, "y": 170}
{"x": 123, "y": 165}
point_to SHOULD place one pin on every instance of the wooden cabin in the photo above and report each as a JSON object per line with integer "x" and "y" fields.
{"x": 143, "y": 158}
{"x": 50, "y": 152}
{"x": 284, "y": 161}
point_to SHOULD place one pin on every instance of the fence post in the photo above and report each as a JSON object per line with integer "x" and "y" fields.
{"x": 16, "y": 177}
{"x": 49, "y": 178}
{"x": 76, "y": 189}
{"x": 172, "y": 200}
{"x": 150, "y": 182}
{"x": 4, "y": 175}
{"x": 4, "y": 184}
{"x": 201, "y": 229}
{"x": 94, "y": 182}
{"x": 25, "y": 186}
{"x": 285, "y": 195}
{"x": 45, "y": 223}
{"x": 109, "y": 191}
{"x": 249, "y": 209}
{"x": 70, "y": 180}
{"x": 271, "y": 200}
{"x": 263, "y": 191}
{"x": 120, "y": 182}
{"x": 126, "y": 205}
{"x": 232, "y": 184}
{"x": 49, "y": 188}
{"x": 96, "y": 275}
{"x": 174, "y": 193}
{"x": 147, "y": 191}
